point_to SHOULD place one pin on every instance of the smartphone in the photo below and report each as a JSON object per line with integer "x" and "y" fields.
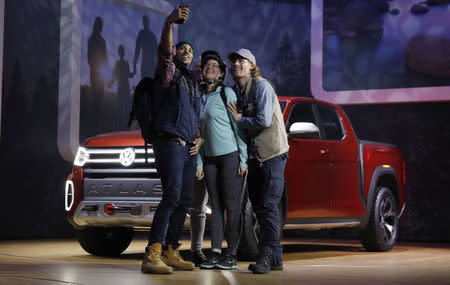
{"x": 183, "y": 3}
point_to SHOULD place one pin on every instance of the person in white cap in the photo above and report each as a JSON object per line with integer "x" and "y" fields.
{"x": 258, "y": 112}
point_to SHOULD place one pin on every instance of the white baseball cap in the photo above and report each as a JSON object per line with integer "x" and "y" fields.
{"x": 245, "y": 53}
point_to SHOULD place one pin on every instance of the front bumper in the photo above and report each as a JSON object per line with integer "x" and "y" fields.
{"x": 126, "y": 214}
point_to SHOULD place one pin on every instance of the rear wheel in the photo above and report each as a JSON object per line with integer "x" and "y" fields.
{"x": 248, "y": 243}
{"x": 104, "y": 241}
{"x": 380, "y": 233}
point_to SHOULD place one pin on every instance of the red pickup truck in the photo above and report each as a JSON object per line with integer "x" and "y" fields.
{"x": 333, "y": 180}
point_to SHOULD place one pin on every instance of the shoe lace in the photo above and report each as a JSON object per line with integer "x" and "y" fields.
{"x": 176, "y": 253}
{"x": 156, "y": 256}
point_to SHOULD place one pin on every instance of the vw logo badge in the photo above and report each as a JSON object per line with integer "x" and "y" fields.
{"x": 127, "y": 157}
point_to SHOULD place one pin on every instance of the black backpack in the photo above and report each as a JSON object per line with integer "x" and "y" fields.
{"x": 143, "y": 109}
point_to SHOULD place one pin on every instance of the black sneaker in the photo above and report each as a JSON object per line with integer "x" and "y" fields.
{"x": 262, "y": 265}
{"x": 211, "y": 261}
{"x": 198, "y": 257}
{"x": 227, "y": 263}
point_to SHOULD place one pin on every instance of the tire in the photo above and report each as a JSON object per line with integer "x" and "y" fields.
{"x": 105, "y": 241}
{"x": 248, "y": 243}
{"x": 380, "y": 233}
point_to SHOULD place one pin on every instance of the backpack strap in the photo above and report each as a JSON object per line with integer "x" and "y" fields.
{"x": 224, "y": 100}
{"x": 223, "y": 96}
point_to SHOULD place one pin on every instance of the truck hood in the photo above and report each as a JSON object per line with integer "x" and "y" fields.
{"x": 127, "y": 138}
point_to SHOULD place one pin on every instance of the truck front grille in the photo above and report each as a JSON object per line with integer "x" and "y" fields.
{"x": 114, "y": 162}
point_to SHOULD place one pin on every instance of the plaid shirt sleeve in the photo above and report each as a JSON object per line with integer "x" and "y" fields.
{"x": 165, "y": 67}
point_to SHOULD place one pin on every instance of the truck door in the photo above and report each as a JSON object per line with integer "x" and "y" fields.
{"x": 307, "y": 168}
{"x": 344, "y": 175}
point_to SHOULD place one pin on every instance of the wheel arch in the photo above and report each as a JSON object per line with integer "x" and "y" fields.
{"x": 381, "y": 177}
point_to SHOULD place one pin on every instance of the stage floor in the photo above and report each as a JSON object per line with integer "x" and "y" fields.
{"x": 306, "y": 261}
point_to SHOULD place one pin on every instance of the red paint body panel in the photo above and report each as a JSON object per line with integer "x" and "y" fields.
{"x": 374, "y": 156}
{"x": 306, "y": 175}
{"x": 127, "y": 138}
{"x": 328, "y": 185}
{"x": 344, "y": 176}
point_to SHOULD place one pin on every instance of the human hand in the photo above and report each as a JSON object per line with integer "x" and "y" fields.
{"x": 241, "y": 170}
{"x": 237, "y": 115}
{"x": 179, "y": 15}
{"x": 197, "y": 144}
{"x": 199, "y": 174}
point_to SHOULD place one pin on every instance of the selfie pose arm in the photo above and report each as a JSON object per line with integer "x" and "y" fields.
{"x": 167, "y": 35}
{"x": 165, "y": 67}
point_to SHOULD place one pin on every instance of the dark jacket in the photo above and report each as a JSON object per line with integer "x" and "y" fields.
{"x": 179, "y": 108}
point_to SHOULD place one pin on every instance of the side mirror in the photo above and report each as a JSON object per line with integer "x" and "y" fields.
{"x": 303, "y": 130}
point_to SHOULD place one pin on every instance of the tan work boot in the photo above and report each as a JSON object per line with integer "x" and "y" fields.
{"x": 152, "y": 262}
{"x": 173, "y": 258}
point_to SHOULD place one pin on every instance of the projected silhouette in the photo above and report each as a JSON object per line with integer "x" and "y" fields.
{"x": 146, "y": 41}
{"x": 97, "y": 57}
{"x": 121, "y": 73}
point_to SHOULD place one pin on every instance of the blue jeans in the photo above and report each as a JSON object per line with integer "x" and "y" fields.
{"x": 176, "y": 167}
{"x": 265, "y": 189}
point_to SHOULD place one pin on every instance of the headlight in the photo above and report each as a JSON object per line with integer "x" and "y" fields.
{"x": 69, "y": 195}
{"x": 82, "y": 157}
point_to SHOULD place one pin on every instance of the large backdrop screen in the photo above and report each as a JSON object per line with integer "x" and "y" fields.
{"x": 119, "y": 46}
{"x": 380, "y": 51}
{"x": 106, "y": 47}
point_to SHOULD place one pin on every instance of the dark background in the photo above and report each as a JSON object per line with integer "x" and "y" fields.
{"x": 32, "y": 172}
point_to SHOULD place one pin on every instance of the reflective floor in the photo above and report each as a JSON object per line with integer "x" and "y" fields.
{"x": 305, "y": 262}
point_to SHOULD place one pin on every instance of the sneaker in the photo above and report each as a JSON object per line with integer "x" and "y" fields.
{"x": 211, "y": 261}
{"x": 153, "y": 262}
{"x": 227, "y": 263}
{"x": 198, "y": 258}
{"x": 173, "y": 258}
{"x": 262, "y": 265}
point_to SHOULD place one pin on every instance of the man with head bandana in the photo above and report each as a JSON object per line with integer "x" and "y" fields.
{"x": 175, "y": 143}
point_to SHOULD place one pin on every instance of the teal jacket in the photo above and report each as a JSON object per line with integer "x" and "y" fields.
{"x": 220, "y": 137}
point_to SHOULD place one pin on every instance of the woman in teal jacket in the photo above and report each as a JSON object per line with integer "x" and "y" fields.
{"x": 223, "y": 161}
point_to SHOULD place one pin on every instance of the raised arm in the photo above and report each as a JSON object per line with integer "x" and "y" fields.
{"x": 165, "y": 67}
{"x": 166, "y": 43}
